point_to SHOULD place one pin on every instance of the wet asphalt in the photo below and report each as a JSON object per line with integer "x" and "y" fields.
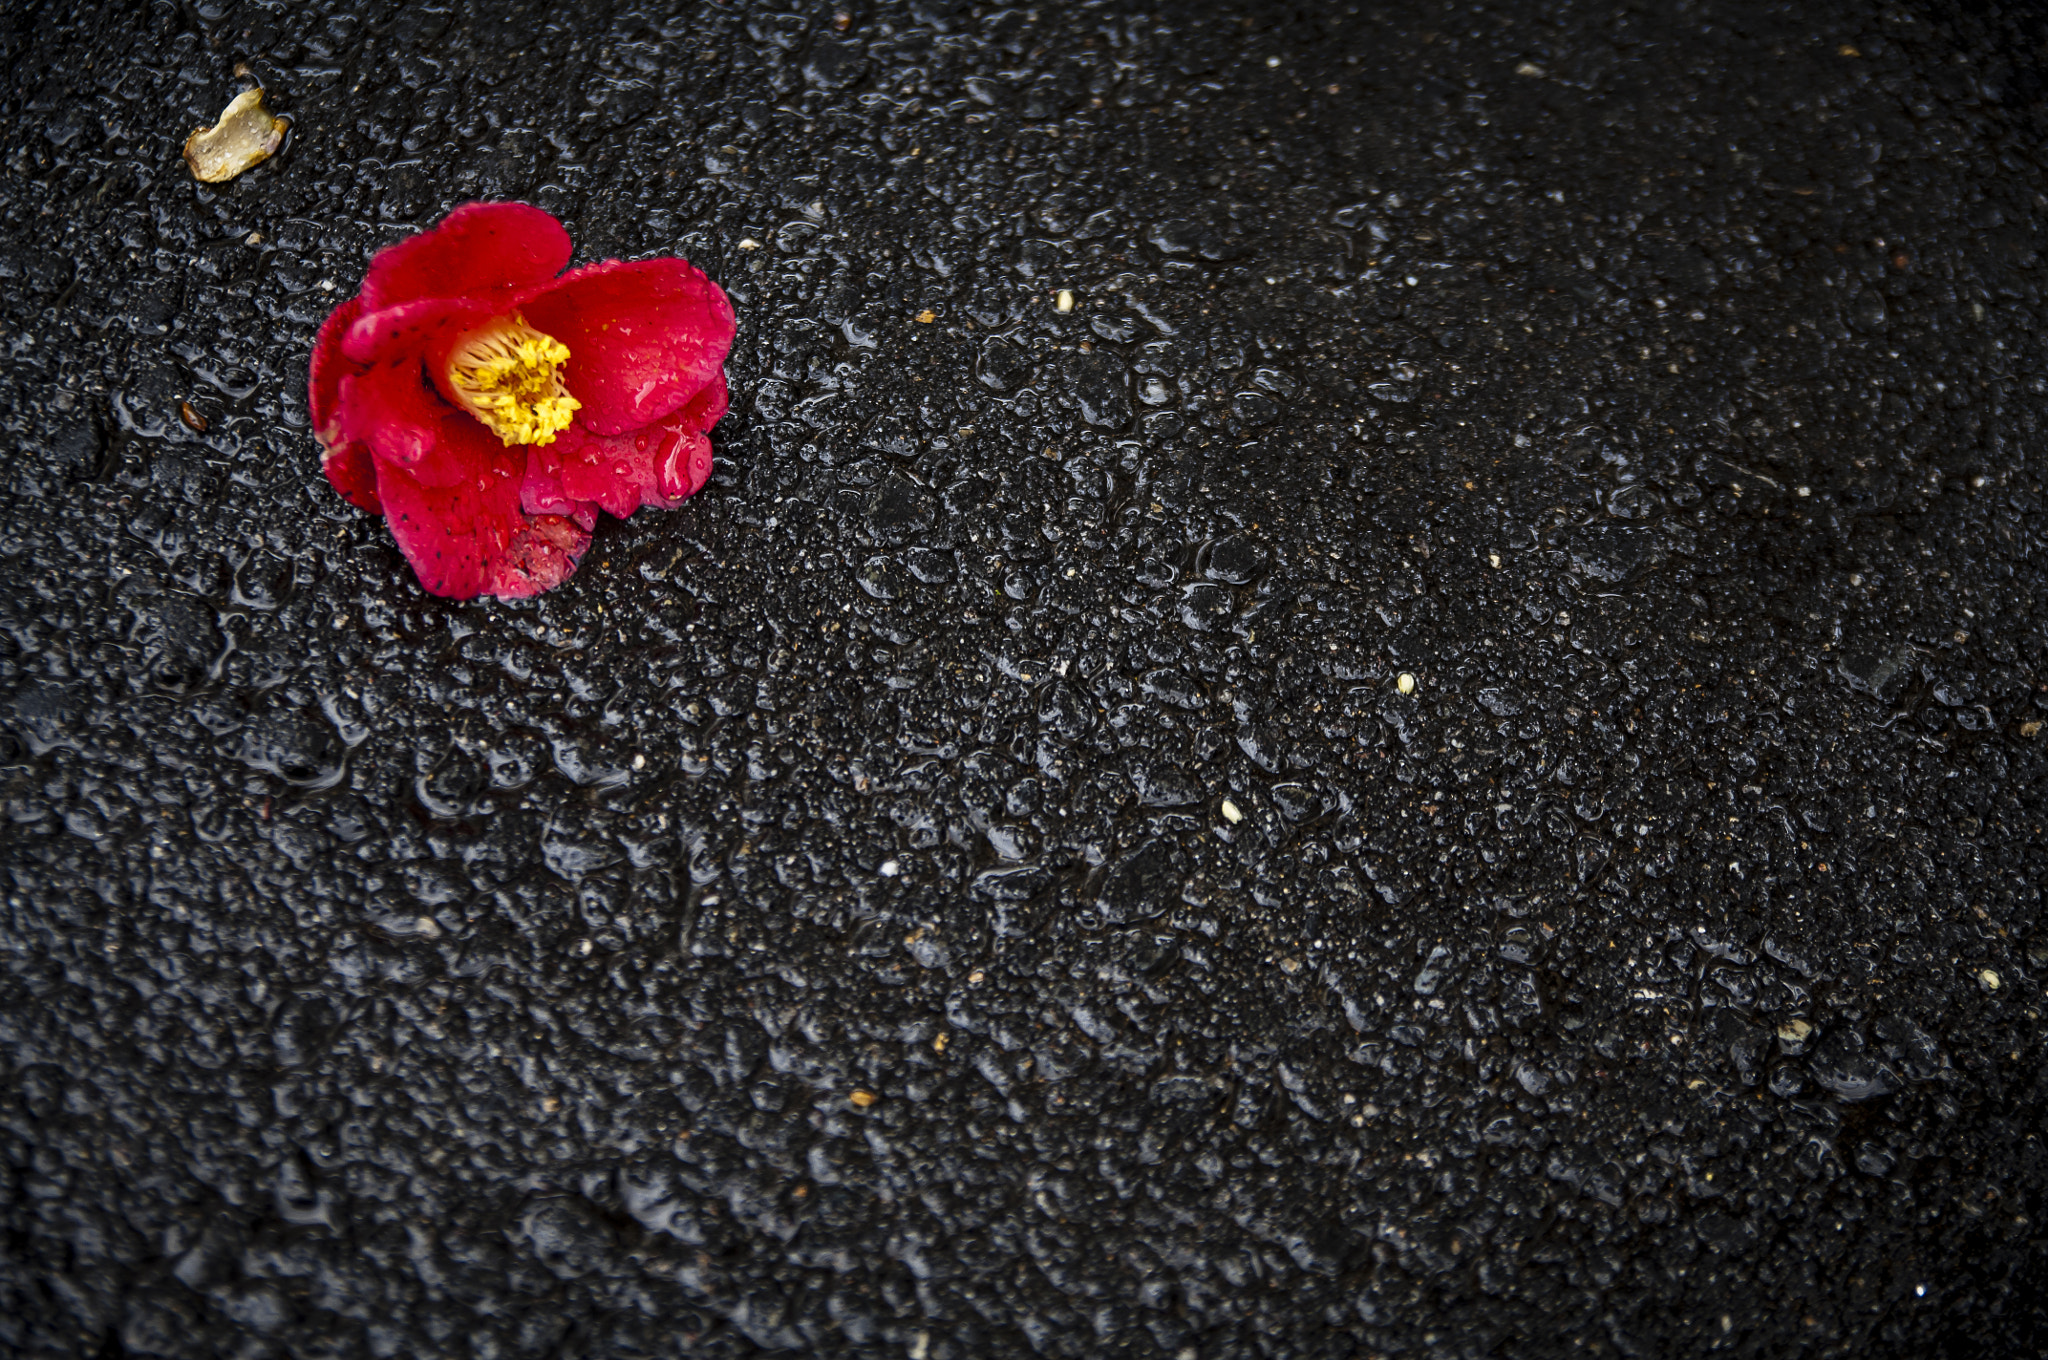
{"x": 1357, "y": 681}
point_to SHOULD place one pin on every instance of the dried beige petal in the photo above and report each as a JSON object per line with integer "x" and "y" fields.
{"x": 246, "y": 135}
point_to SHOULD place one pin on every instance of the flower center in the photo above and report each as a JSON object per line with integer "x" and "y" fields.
{"x": 509, "y": 376}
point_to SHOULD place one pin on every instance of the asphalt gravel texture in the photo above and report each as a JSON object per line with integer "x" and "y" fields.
{"x": 1358, "y": 681}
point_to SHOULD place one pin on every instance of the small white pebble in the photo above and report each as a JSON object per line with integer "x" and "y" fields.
{"x": 1493, "y": 558}
{"x": 1272, "y": 61}
{"x": 1066, "y": 300}
{"x": 1231, "y": 813}
{"x": 749, "y": 243}
{"x": 639, "y": 761}
{"x": 583, "y": 947}
{"x": 1989, "y": 979}
{"x": 1405, "y": 683}
{"x": 327, "y": 285}
{"x": 890, "y": 868}
{"x": 1805, "y": 491}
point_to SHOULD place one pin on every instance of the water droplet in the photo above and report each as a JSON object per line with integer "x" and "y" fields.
{"x": 1235, "y": 560}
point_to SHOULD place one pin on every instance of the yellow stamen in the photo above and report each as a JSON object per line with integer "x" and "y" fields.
{"x": 508, "y": 375}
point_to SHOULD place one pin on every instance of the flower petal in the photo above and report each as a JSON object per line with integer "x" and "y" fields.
{"x": 479, "y": 251}
{"x": 662, "y": 465}
{"x": 643, "y": 338}
{"x": 540, "y": 490}
{"x": 708, "y": 407}
{"x": 346, "y": 462}
{"x": 684, "y": 471}
{"x": 468, "y": 537}
{"x": 410, "y": 328}
{"x": 394, "y": 412}
{"x": 323, "y": 378}
{"x": 352, "y": 472}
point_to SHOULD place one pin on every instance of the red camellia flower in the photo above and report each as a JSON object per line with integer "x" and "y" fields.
{"x": 488, "y": 405}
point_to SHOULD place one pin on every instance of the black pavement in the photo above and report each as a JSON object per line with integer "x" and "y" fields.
{"x": 1358, "y": 680}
